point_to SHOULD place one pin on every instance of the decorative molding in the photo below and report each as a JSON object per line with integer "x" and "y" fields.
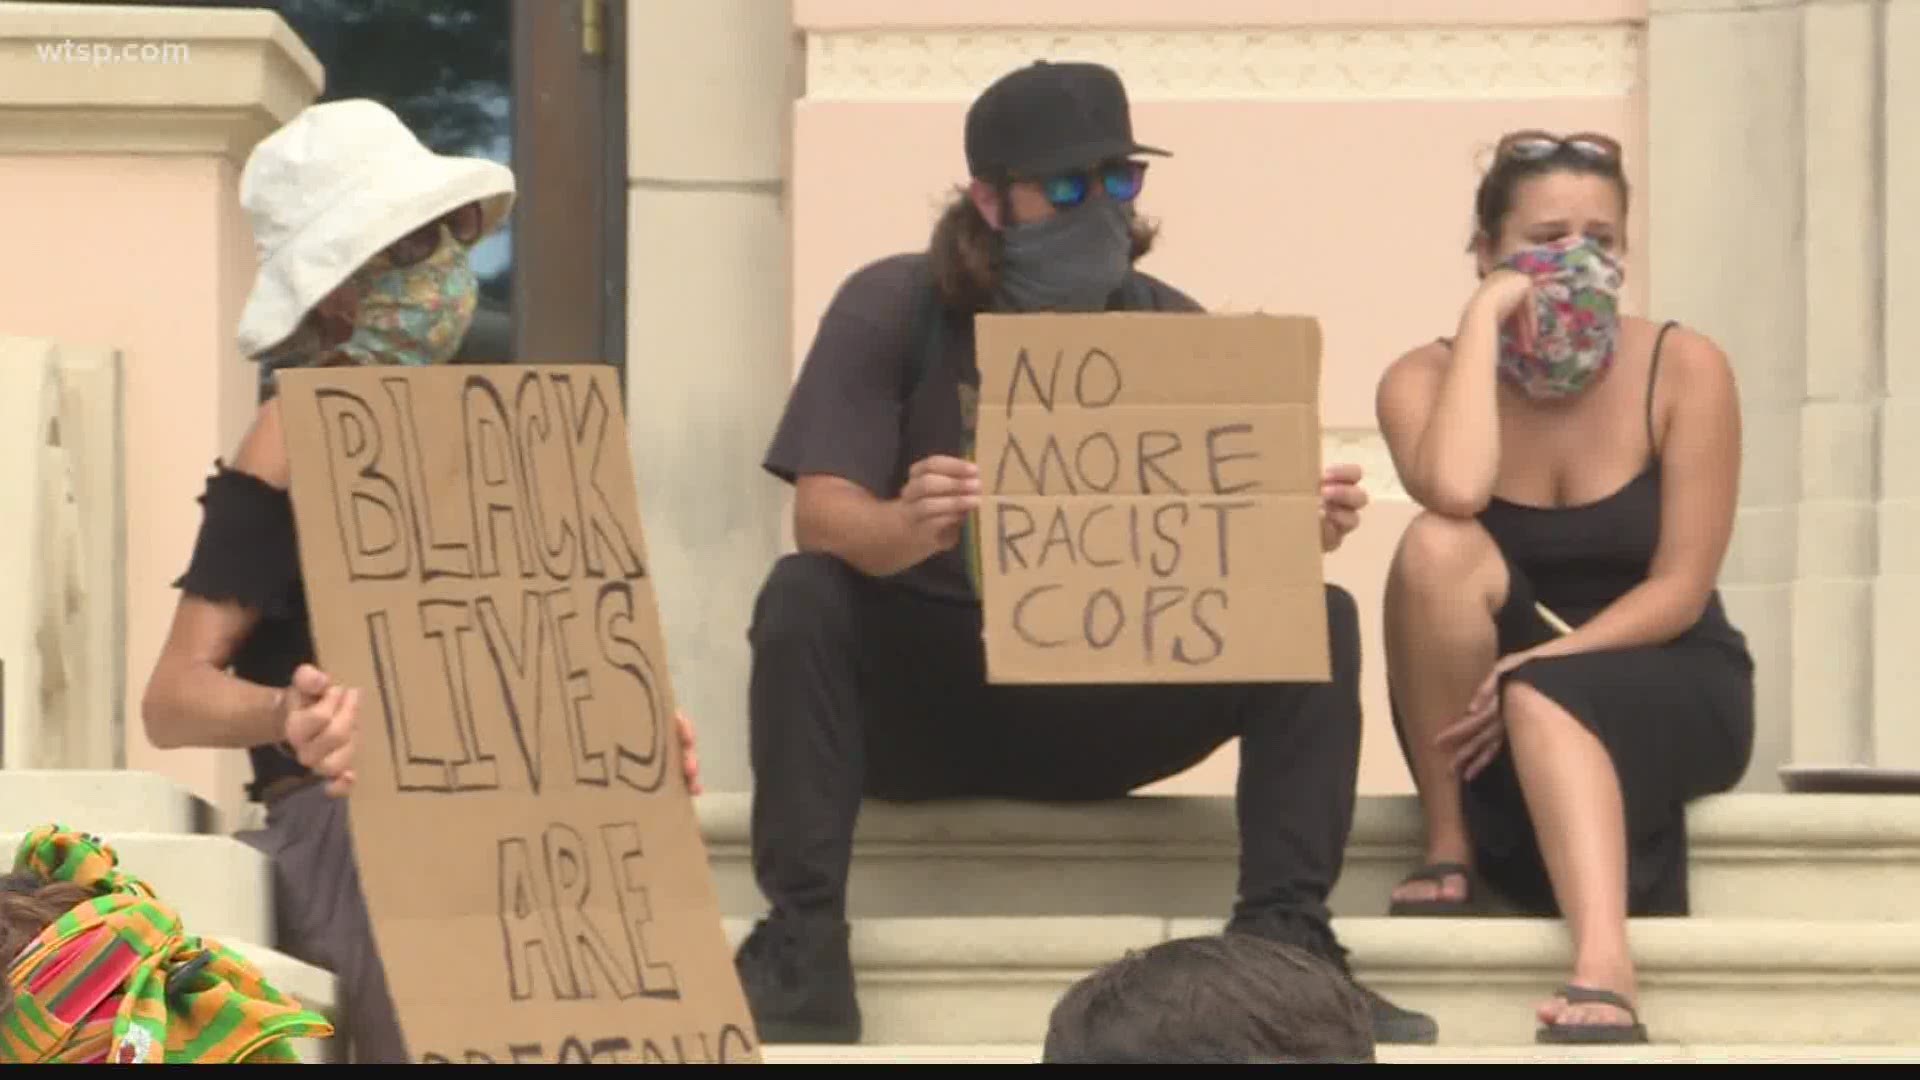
{"x": 1344, "y": 64}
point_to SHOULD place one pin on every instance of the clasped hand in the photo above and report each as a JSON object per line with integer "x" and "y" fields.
{"x": 1474, "y": 740}
{"x": 320, "y": 722}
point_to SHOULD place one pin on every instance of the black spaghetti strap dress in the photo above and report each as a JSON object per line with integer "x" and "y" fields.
{"x": 1677, "y": 719}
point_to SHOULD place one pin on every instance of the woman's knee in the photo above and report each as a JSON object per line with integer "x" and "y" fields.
{"x": 806, "y": 594}
{"x": 1442, "y": 554}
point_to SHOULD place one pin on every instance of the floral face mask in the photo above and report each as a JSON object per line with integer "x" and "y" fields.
{"x": 415, "y": 314}
{"x": 1576, "y": 298}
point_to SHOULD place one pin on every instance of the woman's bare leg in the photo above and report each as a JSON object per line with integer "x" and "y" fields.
{"x": 1446, "y": 584}
{"x": 1573, "y": 797}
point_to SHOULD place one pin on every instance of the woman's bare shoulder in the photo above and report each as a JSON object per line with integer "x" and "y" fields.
{"x": 263, "y": 451}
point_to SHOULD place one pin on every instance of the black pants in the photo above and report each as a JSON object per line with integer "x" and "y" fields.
{"x": 861, "y": 687}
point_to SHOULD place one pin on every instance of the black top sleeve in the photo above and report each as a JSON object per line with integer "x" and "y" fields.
{"x": 843, "y": 416}
{"x": 247, "y": 551}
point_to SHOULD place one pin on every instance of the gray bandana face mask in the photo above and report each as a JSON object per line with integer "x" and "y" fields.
{"x": 1073, "y": 261}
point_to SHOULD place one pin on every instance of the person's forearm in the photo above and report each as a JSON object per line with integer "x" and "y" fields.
{"x": 865, "y": 532}
{"x": 1654, "y": 612}
{"x": 196, "y": 705}
{"x": 1458, "y": 456}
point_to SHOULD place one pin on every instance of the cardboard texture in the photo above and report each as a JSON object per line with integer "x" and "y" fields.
{"x": 474, "y": 563}
{"x": 1152, "y": 508}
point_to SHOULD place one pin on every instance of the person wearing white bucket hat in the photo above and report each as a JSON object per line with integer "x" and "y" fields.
{"x": 363, "y": 236}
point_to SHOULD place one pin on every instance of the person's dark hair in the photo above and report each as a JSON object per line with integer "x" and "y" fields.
{"x": 28, "y": 905}
{"x": 1230, "y": 999}
{"x": 1523, "y": 155}
{"x": 964, "y": 253}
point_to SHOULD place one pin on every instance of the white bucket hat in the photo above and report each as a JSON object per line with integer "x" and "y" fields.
{"x": 329, "y": 190}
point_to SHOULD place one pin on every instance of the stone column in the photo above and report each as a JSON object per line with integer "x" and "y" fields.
{"x": 1774, "y": 226}
{"x": 1895, "y": 733}
{"x": 1726, "y": 196}
{"x": 122, "y": 132}
{"x": 708, "y": 91}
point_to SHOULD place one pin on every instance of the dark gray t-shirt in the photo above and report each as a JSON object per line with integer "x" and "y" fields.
{"x": 846, "y": 416}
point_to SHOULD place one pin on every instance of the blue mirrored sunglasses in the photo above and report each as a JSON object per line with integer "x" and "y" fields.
{"x": 1121, "y": 180}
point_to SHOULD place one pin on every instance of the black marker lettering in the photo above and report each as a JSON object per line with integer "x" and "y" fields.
{"x": 1020, "y": 619}
{"x": 1170, "y": 540}
{"x": 448, "y": 623}
{"x": 1024, "y": 363}
{"x": 1060, "y": 533}
{"x": 572, "y": 875}
{"x": 641, "y": 766}
{"x": 573, "y": 1052}
{"x": 1097, "y": 359}
{"x": 1049, "y": 454}
{"x": 1199, "y": 619}
{"x": 525, "y": 1053}
{"x": 377, "y": 549}
{"x": 1159, "y": 599}
{"x": 1221, "y": 510}
{"x": 1119, "y": 618}
{"x": 1112, "y": 472}
{"x": 1087, "y": 523}
{"x": 411, "y": 771}
{"x": 437, "y": 558}
{"x": 600, "y": 527}
{"x": 589, "y": 766}
{"x": 547, "y": 499}
{"x": 1149, "y": 459}
{"x": 519, "y": 660}
{"x": 1005, "y": 546}
{"x": 734, "y": 1033}
{"x": 493, "y": 479}
{"x": 1215, "y": 458}
{"x": 622, "y": 840}
{"x": 526, "y": 909}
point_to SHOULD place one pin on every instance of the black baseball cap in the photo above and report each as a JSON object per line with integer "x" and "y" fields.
{"x": 1046, "y": 117}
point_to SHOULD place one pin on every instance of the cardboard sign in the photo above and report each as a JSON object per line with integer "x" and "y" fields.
{"x": 1151, "y": 509}
{"x": 474, "y": 564}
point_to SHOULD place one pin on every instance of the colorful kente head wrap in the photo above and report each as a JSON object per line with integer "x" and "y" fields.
{"x": 118, "y": 980}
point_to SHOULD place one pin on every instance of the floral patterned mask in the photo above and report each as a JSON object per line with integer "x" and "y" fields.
{"x": 1576, "y": 298}
{"x": 414, "y": 315}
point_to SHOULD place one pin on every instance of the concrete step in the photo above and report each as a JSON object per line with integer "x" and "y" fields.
{"x": 221, "y": 887}
{"x": 1388, "y": 1055}
{"x": 1753, "y": 856}
{"x": 97, "y": 801}
{"x": 1704, "y": 981}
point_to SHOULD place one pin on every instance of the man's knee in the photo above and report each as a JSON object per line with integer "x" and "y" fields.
{"x": 806, "y": 595}
{"x": 1439, "y": 552}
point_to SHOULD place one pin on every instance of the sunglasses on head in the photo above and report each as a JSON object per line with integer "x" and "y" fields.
{"x": 420, "y": 244}
{"x": 1539, "y": 145}
{"x": 1121, "y": 180}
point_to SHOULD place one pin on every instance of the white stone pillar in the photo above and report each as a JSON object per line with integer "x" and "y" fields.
{"x": 1726, "y": 199}
{"x": 709, "y": 85}
{"x": 122, "y": 132}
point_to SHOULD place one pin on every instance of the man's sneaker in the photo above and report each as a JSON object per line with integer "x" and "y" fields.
{"x": 1392, "y": 1025}
{"x": 798, "y": 978}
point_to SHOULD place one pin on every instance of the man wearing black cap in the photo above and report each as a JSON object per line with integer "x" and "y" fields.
{"x": 868, "y": 672}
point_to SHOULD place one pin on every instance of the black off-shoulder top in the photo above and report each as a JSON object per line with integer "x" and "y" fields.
{"x": 247, "y": 552}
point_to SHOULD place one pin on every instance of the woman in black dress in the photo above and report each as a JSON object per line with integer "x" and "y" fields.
{"x": 364, "y": 237}
{"x": 1563, "y": 674}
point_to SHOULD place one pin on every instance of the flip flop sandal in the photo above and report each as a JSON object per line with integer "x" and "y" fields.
{"x": 1593, "y": 1034}
{"x": 1437, "y": 873}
